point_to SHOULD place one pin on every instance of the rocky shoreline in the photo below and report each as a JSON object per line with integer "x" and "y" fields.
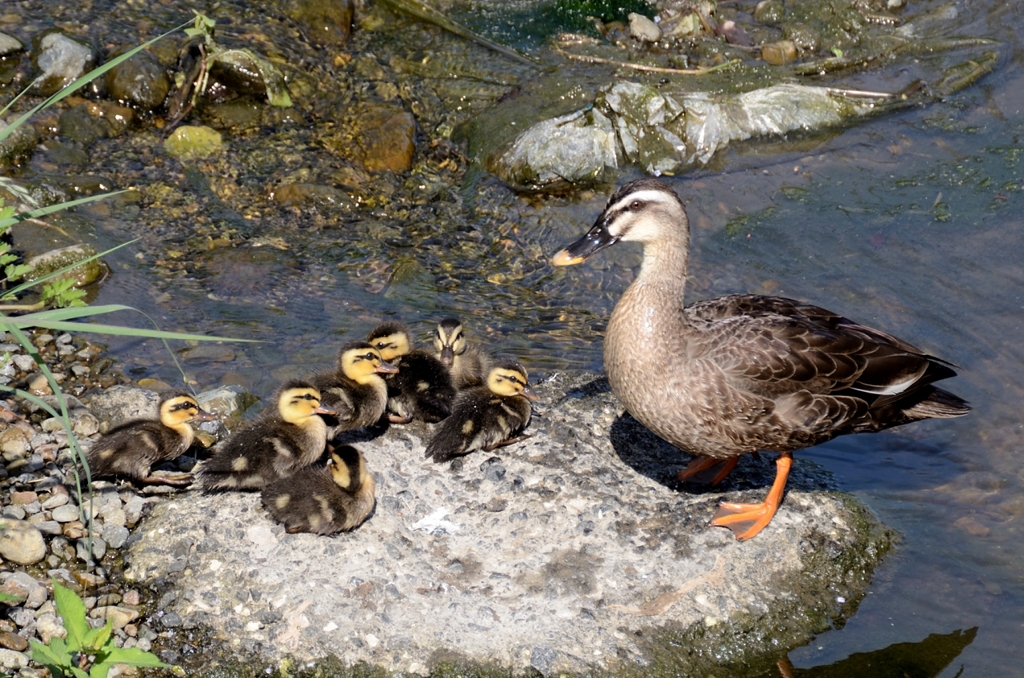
{"x": 569, "y": 552}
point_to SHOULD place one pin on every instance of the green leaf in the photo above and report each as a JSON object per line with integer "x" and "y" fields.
{"x": 65, "y": 269}
{"x": 95, "y": 639}
{"x": 41, "y": 654}
{"x": 57, "y": 207}
{"x": 82, "y": 674}
{"x": 8, "y": 598}
{"x": 133, "y": 656}
{"x": 115, "y": 330}
{"x": 72, "y": 611}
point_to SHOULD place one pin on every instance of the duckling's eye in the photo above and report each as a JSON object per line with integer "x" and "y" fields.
{"x": 635, "y": 205}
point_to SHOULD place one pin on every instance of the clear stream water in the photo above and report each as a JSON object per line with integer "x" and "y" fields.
{"x": 911, "y": 222}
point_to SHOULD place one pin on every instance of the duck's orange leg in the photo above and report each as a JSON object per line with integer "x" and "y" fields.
{"x": 746, "y": 520}
{"x": 697, "y": 471}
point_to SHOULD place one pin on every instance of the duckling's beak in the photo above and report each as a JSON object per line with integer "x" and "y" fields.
{"x": 203, "y": 415}
{"x": 596, "y": 239}
{"x": 447, "y": 356}
{"x": 529, "y": 395}
{"x": 323, "y": 409}
{"x": 386, "y": 368}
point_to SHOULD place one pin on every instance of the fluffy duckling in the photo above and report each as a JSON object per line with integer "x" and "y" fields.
{"x": 356, "y": 391}
{"x": 275, "y": 445}
{"x": 467, "y": 364}
{"x": 423, "y": 387}
{"x": 132, "y": 448}
{"x": 486, "y": 417}
{"x": 324, "y": 499}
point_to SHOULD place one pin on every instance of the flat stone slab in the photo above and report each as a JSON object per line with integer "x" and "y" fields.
{"x": 570, "y": 551}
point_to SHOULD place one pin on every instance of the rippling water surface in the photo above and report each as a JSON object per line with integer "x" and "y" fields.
{"x": 911, "y": 222}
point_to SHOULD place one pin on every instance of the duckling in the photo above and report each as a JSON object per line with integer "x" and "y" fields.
{"x": 275, "y": 445}
{"x": 486, "y": 417}
{"x": 467, "y": 364}
{"x": 356, "y": 391}
{"x": 423, "y": 387}
{"x": 324, "y": 499}
{"x": 734, "y": 374}
{"x": 132, "y": 448}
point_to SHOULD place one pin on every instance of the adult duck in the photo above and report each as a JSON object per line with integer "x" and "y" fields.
{"x": 741, "y": 373}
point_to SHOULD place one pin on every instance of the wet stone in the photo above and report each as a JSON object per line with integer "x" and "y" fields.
{"x": 140, "y": 82}
{"x": 9, "y": 44}
{"x": 61, "y": 59}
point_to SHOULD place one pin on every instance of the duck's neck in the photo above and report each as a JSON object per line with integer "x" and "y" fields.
{"x": 664, "y": 265}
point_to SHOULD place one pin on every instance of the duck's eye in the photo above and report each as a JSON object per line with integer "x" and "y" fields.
{"x": 635, "y": 205}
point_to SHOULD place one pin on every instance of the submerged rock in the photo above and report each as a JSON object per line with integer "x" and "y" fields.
{"x": 567, "y": 552}
{"x": 84, "y": 274}
{"x": 191, "y": 142}
{"x": 61, "y": 59}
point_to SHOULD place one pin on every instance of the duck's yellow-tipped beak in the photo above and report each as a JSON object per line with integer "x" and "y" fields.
{"x": 595, "y": 240}
{"x": 564, "y": 258}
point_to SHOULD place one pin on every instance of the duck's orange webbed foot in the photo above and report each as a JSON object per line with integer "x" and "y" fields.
{"x": 746, "y": 520}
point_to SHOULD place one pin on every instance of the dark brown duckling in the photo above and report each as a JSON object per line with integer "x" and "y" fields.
{"x": 423, "y": 387}
{"x": 486, "y": 417}
{"x": 280, "y": 441}
{"x": 356, "y": 390}
{"x": 467, "y": 364}
{"x": 132, "y": 448}
{"x": 324, "y": 499}
{"x": 740, "y": 373}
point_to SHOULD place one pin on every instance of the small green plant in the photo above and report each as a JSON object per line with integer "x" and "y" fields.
{"x": 86, "y": 652}
{"x": 195, "y": 82}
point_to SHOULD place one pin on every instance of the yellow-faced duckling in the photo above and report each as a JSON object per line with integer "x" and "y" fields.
{"x": 324, "y": 499}
{"x": 356, "y": 390}
{"x": 132, "y": 448}
{"x": 741, "y": 373}
{"x": 423, "y": 387}
{"x": 278, "y": 443}
{"x": 486, "y": 417}
{"x": 467, "y": 364}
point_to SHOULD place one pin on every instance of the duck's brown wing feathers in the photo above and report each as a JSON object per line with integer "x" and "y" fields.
{"x": 817, "y": 371}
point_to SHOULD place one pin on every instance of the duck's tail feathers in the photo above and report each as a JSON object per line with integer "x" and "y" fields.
{"x": 939, "y": 404}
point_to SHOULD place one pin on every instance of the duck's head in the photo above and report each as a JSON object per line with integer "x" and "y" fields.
{"x": 509, "y": 378}
{"x": 450, "y": 340}
{"x": 181, "y": 408}
{"x": 391, "y": 339}
{"x": 646, "y": 211}
{"x": 298, "y": 400}
{"x": 362, "y": 363}
{"x": 348, "y": 468}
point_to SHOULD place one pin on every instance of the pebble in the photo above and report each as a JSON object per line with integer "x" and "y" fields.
{"x": 21, "y": 543}
{"x": 65, "y": 513}
{"x": 11, "y": 660}
{"x": 99, "y": 549}
{"x": 12, "y": 641}
{"x": 120, "y": 616}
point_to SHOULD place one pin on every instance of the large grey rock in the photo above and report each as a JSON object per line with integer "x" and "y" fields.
{"x": 119, "y": 404}
{"x": 566, "y": 552}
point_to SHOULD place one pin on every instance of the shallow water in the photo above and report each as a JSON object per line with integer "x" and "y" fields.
{"x": 911, "y": 223}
